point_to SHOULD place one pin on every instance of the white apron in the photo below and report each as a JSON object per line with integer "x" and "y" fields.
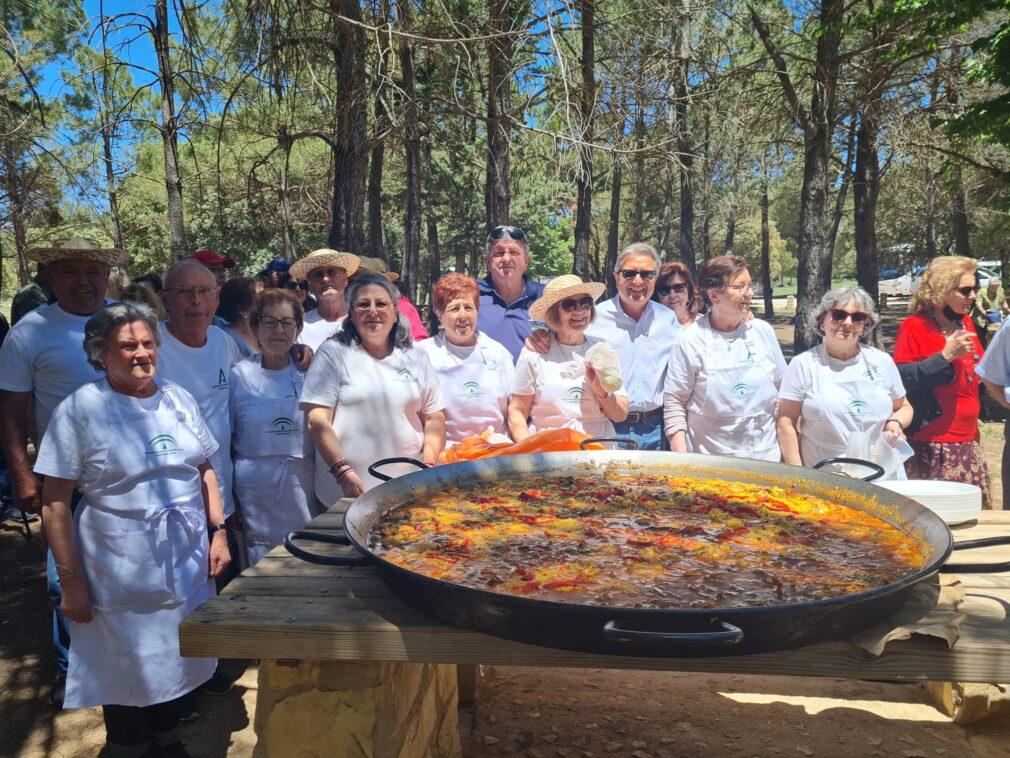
{"x": 566, "y": 401}
{"x": 144, "y": 551}
{"x": 736, "y": 416}
{"x": 836, "y": 408}
{"x": 475, "y": 394}
{"x": 273, "y": 479}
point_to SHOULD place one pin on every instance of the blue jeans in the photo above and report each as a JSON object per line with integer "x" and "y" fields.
{"x": 61, "y": 627}
{"x": 647, "y": 432}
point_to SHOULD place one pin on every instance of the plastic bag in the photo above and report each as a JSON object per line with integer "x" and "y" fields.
{"x": 607, "y": 363}
{"x": 890, "y": 453}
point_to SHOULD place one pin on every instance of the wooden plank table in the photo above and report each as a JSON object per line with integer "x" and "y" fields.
{"x": 323, "y": 632}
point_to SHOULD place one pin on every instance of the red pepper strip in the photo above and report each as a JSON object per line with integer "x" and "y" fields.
{"x": 529, "y": 587}
{"x": 564, "y": 585}
{"x": 524, "y": 574}
{"x": 729, "y": 534}
{"x": 533, "y": 495}
{"x": 535, "y": 519}
{"x": 441, "y": 557}
{"x": 776, "y": 505}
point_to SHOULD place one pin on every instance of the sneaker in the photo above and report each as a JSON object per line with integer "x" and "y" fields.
{"x": 219, "y": 684}
{"x": 59, "y": 690}
{"x": 188, "y": 709}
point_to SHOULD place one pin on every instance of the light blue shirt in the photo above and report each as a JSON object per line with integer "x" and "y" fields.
{"x": 995, "y": 364}
{"x": 644, "y": 348}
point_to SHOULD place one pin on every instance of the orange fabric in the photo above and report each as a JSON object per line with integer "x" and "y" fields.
{"x": 547, "y": 441}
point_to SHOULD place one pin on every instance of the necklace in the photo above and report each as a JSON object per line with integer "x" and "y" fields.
{"x": 949, "y": 328}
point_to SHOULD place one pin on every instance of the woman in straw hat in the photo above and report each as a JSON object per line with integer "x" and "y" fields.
{"x": 722, "y": 382}
{"x": 559, "y": 389}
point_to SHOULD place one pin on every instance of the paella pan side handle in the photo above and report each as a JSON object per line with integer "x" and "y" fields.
{"x": 373, "y": 469}
{"x": 730, "y": 635}
{"x": 323, "y": 560}
{"x": 629, "y": 444}
{"x": 878, "y": 471}
{"x": 977, "y": 568}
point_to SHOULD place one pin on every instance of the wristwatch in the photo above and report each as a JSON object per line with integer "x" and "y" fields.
{"x": 212, "y": 529}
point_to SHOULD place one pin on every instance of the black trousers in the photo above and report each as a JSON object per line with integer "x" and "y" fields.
{"x": 130, "y": 725}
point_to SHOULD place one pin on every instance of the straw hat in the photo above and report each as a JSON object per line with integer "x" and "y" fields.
{"x": 376, "y": 266}
{"x": 78, "y": 247}
{"x": 324, "y": 257}
{"x": 562, "y": 288}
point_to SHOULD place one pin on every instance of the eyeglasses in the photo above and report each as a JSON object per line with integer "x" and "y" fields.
{"x": 582, "y": 304}
{"x": 839, "y": 316}
{"x": 363, "y": 306}
{"x": 189, "y": 293}
{"x": 630, "y": 273}
{"x": 293, "y": 285}
{"x": 317, "y": 274}
{"x": 501, "y": 231}
{"x": 270, "y": 323}
{"x": 680, "y": 288}
{"x": 740, "y": 287}
{"x": 965, "y": 291}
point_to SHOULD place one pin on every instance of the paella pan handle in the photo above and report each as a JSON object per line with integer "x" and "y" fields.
{"x": 977, "y": 568}
{"x": 629, "y": 444}
{"x": 878, "y": 471}
{"x": 730, "y": 635}
{"x": 373, "y": 469}
{"x": 323, "y": 560}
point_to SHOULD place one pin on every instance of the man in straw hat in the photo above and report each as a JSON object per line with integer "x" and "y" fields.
{"x": 43, "y": 360}
{"x": 506, "y": 293}
{"x": 327, "y": 272}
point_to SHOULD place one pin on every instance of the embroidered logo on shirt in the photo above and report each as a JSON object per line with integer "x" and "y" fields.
{"x": 858, "y": 408}
{"x": 471, "y": 389}
{"x": 742, "y": 390}
{"x": 282, "y": 425}
{"x": 405, "y": 375}
{"x": 872, "y": 374}
{"x": 222, "y": 380}
{"x": 163, "y": 444}
{"x": 576, "y": 393}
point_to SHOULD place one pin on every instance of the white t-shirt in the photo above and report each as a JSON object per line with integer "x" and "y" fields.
{"x": 728, "y": 384}
{"x": 475, "y": 383}
{"x": 643, "y": 346}
{"x": 204, "y": 372}
{"x": 44, "y": 354}
{"x": 377, "y": 406}
{"x": 562, "y": 398}
{"x": 316, "y": 330}
{"x": 82, "y": 431}
{"x": 840, "y": 397}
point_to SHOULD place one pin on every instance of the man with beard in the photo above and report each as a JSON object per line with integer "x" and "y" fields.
{"x": 506, "y": 294}
{"x": 327, "y": 272}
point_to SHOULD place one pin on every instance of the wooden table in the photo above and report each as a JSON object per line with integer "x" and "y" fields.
{"x": 335, "y": 641}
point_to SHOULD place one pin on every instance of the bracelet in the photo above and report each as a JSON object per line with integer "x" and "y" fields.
{"x": 902, "y": 426}
{"x": 66, "y": 570}
{"x": 344, "y": 473}
{"x": 213, "y": 529}
{"x": 338, "y": 465}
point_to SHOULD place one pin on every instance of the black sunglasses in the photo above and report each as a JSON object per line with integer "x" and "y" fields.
{"x": 630, "y": 273}
{"x": 293, "y": 285}
{"x": 838, "y": 316}
{"x": 582, "y": 304}
{"x": 965, "y": 291}
{"x": 512, "y": 231}
{"x": 679, "y": 288}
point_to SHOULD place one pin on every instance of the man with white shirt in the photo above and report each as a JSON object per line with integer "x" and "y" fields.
{"x": 43, "y": 360}
{"x": 327, "y": 272}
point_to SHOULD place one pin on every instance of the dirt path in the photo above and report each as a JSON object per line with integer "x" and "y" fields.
{"x": 530, "y": 712}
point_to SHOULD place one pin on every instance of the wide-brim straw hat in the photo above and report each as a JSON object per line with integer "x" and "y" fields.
{"x": 376, "y": 266}
{"x": 79, "y": 248}
{"x": 562, "y": 288}
{"x": 349, "y": 262}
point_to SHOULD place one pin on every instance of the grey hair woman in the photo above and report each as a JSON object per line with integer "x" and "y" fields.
{"x": 370, "y": 394}
{"x": 107, "y": 322}
{"x": 841, "y": 389}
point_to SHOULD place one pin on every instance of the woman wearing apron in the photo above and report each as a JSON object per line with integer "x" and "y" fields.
{"x": 840, "y": 387}
{"x": 559, "y": 389}
{"x": 474, "y": 371}
{"x": 723, "y": 378}
{"x": 273, "y": 470}
{"x": 141, "y": 550}
{"x": 370, "y": 394}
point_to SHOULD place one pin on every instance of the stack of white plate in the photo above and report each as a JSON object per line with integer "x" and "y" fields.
{"x": 954, "y": 502}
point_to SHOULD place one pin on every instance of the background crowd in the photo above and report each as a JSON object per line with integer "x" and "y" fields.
{"x": 185, "y": 423}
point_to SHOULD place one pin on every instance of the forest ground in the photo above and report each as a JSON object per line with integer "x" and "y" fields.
{"x": 538, "y": 713}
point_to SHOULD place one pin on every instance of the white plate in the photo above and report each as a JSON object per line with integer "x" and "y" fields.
{"x": 954, "y": 502}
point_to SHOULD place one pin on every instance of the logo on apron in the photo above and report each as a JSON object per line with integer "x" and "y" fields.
{"x": 576, "y": 393}
{"x": 858, "y": 408}
{"x": 163, "y": 444}
{"x": 405, "y": 375}
{"x": 222, "y": 380}
{"x": 872, "y": 374}
{"x": 471, "y": 389}
{"x": 742, "y": 390}
{"x": 282, "y": 425}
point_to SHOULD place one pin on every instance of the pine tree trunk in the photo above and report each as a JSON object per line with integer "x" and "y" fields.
{"x": 584, "y": 180}
{"x": 865, "y": 191}
{"x": 376, "y": 230}
{"x": 15, "y": 195}
{"x": 284, "y": 196}
{"x": 766, "y": 245}
{"x": 497, "y": 186}
{"x": 412, "y": 158}
{"x": 169, "y": 133}
{"x": 614, "y": 233}
{"x": 930, "y": 211}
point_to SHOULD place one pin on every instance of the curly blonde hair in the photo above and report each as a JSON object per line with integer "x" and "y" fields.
{"x": 940, "y": 279}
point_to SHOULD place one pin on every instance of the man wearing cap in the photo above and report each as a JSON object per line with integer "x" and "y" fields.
{"x": 218, "y": 266}
{"x": 327, "y": 272}
{"x": 506, "y": 293}
{"x": 43, "y": 360}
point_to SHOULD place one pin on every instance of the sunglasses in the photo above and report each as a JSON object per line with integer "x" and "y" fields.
{"x": 511, "y": 231}
{"x": 680, "y": 288}
{"x": 582, "y": 304}
{"x": 630, "y": 273}
{"x": 965, "y": 291}
{"x": 839, "y": 316}
{"x": 292, "y": 285}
